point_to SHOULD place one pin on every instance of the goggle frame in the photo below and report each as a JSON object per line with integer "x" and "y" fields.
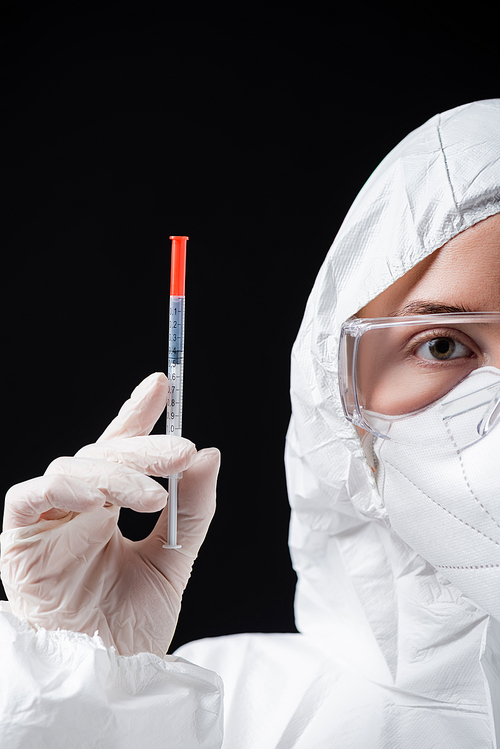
{"x": 356, "y": 327}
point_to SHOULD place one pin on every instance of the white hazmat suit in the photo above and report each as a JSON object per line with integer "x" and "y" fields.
{"x": 390, "y": 653}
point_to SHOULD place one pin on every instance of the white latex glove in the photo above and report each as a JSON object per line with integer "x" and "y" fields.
{"x": 65, "y": 563}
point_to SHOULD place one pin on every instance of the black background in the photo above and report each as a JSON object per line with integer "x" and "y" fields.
{"x": 249, "y": 126}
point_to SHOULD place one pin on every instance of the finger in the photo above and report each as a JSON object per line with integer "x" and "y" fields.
{"x": 141, "y": 411}
{"x": 121, "y": 485}
{"x": 156, "y": 455}
{"x": 197, "y": 491}
{"x": 25, "y": 503}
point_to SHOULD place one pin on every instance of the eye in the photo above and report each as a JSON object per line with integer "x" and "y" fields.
{"x": 442, "y": 349}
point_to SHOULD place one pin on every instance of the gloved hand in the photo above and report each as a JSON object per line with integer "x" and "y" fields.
{"x": 65, "y": 563}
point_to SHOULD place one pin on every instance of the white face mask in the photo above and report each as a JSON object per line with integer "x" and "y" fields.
{"x": 442, "y": 498}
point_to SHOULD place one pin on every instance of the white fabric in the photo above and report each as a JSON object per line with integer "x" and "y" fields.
{"x": 391, "y": 654}
{"x": 63, "y": 690}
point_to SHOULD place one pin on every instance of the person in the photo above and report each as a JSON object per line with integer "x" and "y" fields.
{"x": 394, "y": 531}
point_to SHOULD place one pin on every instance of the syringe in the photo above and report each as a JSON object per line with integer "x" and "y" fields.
{"x": 175, "y": 371}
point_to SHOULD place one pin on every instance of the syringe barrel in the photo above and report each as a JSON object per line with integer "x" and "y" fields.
{"x": 175, "y": 371}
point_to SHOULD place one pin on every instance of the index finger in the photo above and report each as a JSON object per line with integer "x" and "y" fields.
{"x": 156, "y": 455}
{"x": 141, "y": 411}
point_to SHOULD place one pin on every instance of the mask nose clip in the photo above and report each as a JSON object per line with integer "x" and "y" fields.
{"x": 490, "y": 417}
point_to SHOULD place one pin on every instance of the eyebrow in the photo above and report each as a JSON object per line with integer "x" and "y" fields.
{"x": 421, "y": 307}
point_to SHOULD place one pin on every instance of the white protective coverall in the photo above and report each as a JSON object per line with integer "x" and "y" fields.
{"x": 390, "y": 654}
{"x": 66, "y": 690}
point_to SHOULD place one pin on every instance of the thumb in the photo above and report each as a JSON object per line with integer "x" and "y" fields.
{"x": 196, "y": 507}
{"x": 197, "y": 492}
{"x": 141, "y": 411}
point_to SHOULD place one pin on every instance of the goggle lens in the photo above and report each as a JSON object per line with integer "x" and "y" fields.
{"x": 391, "y": 369}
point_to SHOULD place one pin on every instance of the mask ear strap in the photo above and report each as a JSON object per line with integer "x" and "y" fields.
{"x": 367, "y": 445}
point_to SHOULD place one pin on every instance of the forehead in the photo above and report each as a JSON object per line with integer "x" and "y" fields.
{"x": 464, "y": 273}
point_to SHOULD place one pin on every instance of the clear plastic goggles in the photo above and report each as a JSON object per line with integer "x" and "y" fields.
{"x": 394, "y": 368}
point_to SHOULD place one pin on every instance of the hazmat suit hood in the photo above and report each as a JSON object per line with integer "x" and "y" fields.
{"x": 382, "y": 607}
